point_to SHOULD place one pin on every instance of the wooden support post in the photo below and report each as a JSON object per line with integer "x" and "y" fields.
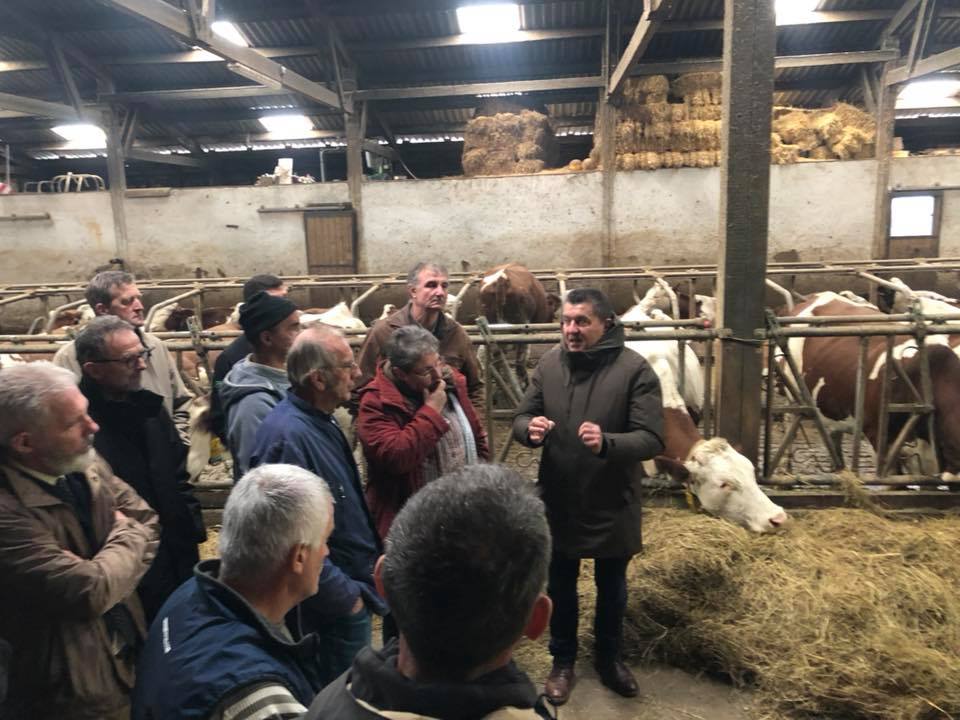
{"x": 606, "y": 125}
{"x": 117, "y": 177}
{"x": 355, "y": 132}
{"x": 886, "y": 117}
{"x": 749, "y": 35}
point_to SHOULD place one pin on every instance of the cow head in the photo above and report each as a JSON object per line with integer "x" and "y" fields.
{"x": 724, "y": 482}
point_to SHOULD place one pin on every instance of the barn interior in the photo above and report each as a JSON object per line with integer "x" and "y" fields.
{"x": 754, "y": 151}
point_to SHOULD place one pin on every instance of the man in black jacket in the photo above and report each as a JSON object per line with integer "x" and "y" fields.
{"x": 138, "y": 438}
{"x": 464, "y": 573}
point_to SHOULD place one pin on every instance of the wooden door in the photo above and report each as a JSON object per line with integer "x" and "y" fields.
{"x": 331, "y": 250}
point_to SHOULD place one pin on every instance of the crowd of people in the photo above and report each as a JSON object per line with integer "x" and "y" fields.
{"x": 105, "y": 611}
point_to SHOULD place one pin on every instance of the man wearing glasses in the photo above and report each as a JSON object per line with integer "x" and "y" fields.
{"x": 416, "y": 423}
{"x": 138, "y": 439}
{"x": 115, "y": 293}
{"x": 302, "y": 431}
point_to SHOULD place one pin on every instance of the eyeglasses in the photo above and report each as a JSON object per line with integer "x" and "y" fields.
{"x": 426, "y": 372}
{"x": 346, "y": 366}
{"x": 130, "y": 360}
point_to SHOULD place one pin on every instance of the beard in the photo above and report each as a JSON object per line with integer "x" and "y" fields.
{"x": 64, "y": 464}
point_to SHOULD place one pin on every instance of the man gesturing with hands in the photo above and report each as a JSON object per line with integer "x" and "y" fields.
{"x": 595, "y": 407}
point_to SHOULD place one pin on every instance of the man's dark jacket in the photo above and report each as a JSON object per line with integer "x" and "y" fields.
{"x": 140, "y": 442}
{"x": 593, "y": 501}
{"x": 206, "y": 643}
{"x": 374, "y": 688}
{"x": 298, "y": 434}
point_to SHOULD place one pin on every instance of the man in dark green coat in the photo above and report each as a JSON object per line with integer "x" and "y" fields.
{"x": 595, "y": 407}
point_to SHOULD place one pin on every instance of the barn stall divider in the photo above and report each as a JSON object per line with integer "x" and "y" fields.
{"x": 783, "y": 398}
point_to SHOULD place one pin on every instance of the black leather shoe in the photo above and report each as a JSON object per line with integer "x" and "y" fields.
{"x": 617, "y": 676}
{"x": 559, "y": 683}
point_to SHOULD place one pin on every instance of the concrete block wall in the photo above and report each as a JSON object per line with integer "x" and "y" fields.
{"x": 820, "y": 211}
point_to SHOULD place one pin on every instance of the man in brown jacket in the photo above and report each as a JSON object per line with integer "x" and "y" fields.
{"x": 74, "y": 542}
{"x": 427, "y": 284}
{"x": 595, "y": 407}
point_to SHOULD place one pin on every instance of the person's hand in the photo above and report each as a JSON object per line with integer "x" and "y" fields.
{"x": 437, "y": 397}
{"x": 357, "y": 606}
{"x": 591, "y": 436}
{"x": 538, "y": 428}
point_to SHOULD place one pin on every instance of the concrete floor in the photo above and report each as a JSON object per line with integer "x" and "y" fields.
{"x": 665, "y": 694}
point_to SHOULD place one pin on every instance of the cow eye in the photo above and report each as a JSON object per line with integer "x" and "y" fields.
{"x": 724, "y": 485}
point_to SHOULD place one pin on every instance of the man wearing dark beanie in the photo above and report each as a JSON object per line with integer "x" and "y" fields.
{"x": 258, "y": 382}
{"x": 238, "y": 349}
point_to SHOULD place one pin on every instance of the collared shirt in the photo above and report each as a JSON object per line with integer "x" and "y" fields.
{"x": 12, "y": 465}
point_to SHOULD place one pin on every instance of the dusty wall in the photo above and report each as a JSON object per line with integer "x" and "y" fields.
{"x": 931, "y": 172}
{"x": 819, "y": 210}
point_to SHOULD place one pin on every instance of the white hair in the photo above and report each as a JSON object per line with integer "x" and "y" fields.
{"x": 26, "y": 392}
{"x": 270, "y": 510}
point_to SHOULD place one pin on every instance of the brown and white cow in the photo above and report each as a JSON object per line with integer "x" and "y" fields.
{"x": 510, "y": 293}
{"x": 723, "y": 480}
{"x": 828, "y": 366}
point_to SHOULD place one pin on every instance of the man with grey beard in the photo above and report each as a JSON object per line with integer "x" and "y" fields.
{"x": 74, "y": 542}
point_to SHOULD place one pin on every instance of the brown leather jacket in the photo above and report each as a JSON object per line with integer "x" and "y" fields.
{"x": 56, "y": 589}
{"x": 455, "y": 349}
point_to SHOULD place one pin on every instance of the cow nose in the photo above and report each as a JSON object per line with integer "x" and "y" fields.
{"x": 779, "y": 519}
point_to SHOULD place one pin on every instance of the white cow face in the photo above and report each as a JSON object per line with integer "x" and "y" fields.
{"x": 724, "y": 482}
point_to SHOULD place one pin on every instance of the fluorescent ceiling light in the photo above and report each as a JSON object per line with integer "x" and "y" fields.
{"x": 929, "y": 93}
{"x": 287, "y": 126}
{"x": 490, "y": 22}
{"x": 82, "y": 136}
{"x": 794, "y": 10}
{"x": 228, "y": 31}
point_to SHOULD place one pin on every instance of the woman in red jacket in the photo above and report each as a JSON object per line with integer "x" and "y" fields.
{"x": 415, "y": 423}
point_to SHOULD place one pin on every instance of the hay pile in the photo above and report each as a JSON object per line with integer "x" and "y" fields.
{"x": 841, "y": 132}
{"x": 845, "y": 615}
{"x": 507, "y": 144}
{"x": 652, "y": 132}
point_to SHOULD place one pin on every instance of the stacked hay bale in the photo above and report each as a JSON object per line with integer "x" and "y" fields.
{"x": 652, "y": 132}
{"x": 507, "y": 144}
{"x": 842, "y": 132}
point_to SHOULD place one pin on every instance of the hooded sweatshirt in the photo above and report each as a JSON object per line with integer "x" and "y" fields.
{"x": 375, "y": 688}
{"x": 248, "y": 394}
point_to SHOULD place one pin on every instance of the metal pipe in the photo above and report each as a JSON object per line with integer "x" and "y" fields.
{"x": 52, "y": 315}
{"x": 858, "y": 403}
{"x": 355, "y": 305}
{"x": 881, "y": 447}
{"x": 783, "y": 291}
{"x": 169, "y": 301}
{"x": 768, "y": 410}
{"x": 323, "y": 166}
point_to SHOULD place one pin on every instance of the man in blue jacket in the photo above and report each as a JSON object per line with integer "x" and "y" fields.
{"x": 219, "y": 648}
{"x": 302, "y": 431}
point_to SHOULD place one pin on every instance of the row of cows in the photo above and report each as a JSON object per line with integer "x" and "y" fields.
{"x": 723, "y": 480}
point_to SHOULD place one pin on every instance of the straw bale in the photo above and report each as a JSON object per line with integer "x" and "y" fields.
{"x": 648, "y": 161}
{"x": 646, "y": 89}
{"x": 590, "y": 163}
{"x": 703, "y": 158}
{"x": 671, "y": 159}
{"x": 829, "y": 127}
{"x": 680, "y": 112}
{"x": 868, "y": 151}
{"x": 781, "y": 153}
{"x": 628, "y": 161}
{"x": 576, "y": 165}
{"x": 795, "y": 128}
{"x": 474, "y": 161}
{"x": 650, "y": 112}
{"x": 852, "y": 116}
{"x": 685, "y": 85}
{"x": 704, "y": 112}
{"x": 658, "y": 130}
{"x": 529, "y": 166}
{"x": 716, "y": 96}
{"x": 821, "y": 152}
{"x": 698, "y": 97}
{"x": 626, "y": 136}
{"x": 529, "y": 151}
{"x": 850, "y": 143}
